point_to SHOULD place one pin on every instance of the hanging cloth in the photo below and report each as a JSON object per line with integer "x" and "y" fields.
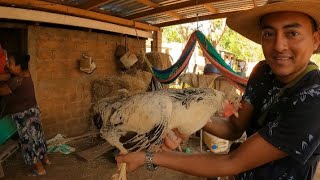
{"x": 172, "y": 73}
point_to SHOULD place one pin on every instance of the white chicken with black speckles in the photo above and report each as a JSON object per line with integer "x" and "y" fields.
{"x": 142, "y": 121}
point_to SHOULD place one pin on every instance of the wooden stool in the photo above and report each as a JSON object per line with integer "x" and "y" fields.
{"x": 6, "y": 150}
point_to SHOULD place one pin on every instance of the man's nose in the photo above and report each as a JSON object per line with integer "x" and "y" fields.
{"x": 280, "y": 43}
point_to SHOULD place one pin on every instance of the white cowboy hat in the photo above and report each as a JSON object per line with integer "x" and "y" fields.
{"x": 247, "y": 23}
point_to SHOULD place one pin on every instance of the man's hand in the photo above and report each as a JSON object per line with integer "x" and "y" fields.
{"x": 173, "y": 140}
{"x": 133, "y": 160}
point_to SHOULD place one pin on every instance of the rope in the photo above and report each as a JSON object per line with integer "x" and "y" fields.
{"x": 145, "y": 59}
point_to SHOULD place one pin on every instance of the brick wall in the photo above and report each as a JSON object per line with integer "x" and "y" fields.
{"x": 62, "y": 91}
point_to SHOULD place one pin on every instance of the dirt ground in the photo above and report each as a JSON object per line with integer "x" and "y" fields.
{"x": 65, "y": 167}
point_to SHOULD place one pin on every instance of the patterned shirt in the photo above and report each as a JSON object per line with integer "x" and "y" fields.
{"x": 292, "y": 124}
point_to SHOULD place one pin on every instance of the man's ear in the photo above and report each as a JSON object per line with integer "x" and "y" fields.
{"x": 316, "y": 41}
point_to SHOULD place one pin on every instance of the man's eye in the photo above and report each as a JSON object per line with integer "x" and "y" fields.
{"x": 293, "y": 34}
{"x": 267, "y": 35}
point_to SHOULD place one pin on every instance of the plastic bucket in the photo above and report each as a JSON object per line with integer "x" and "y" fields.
{"x": 7, "y": 128}
{"x": 215, "y": 144}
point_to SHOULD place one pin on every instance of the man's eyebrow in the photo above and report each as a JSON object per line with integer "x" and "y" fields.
{"x": 293, "y": 25}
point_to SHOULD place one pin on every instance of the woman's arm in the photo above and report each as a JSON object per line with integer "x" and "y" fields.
{"x": 5, "y": 90}
{"x": 5, "y": 76}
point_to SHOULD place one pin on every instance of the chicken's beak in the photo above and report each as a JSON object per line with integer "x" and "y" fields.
{"x": 236, "y": 114}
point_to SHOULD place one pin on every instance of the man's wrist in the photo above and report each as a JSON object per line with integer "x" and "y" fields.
{"x": 149, "y": 161}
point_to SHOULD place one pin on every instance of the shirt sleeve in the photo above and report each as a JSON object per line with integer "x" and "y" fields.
{"x": 297, "y": 131}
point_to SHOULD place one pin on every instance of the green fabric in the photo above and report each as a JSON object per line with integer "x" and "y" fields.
{"x": 212, "y": 51}
{"x": 7, "y": 128}
{"x": 63, "y": 148}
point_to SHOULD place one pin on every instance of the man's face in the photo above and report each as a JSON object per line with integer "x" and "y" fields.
{"x": 288, "y": 41}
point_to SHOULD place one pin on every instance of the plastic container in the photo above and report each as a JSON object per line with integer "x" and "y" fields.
{"x": 7, "y": 128}
{"x": 215, "y": 144}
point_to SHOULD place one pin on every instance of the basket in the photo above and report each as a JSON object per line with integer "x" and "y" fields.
{"x": 7, "y": 128}
{"x": 128, "y": 59}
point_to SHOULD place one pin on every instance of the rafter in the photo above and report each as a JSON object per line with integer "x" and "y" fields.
{"x": 93, "y": 4}
{"x": 55, "y": 18}
{"x": 210, "y": 8}
{"x": 148, "y": 3}
{"x": 254, "y": 3}
{"x": 47, "y": 6}
{"x": 155, "y": 5}
{"x": 194, "y": 19}
{"x": 163, "y": 9}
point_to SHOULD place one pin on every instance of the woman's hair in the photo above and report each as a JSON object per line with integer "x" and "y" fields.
{"x": 22, "y": 60}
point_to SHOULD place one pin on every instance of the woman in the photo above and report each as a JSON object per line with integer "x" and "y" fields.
{"x": 21, "y": 104}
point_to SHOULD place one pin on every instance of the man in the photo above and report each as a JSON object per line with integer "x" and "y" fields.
{"x": 280, "y": 110}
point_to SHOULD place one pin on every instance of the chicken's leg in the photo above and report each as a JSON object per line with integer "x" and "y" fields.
{"x": 122, "y": 171}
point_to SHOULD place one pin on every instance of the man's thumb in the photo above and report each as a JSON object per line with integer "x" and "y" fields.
{"x": 119, "y": 158}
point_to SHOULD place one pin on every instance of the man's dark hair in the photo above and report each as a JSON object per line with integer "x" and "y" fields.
{"x": 22, "y": 60}
{"x": 314, "y": 24}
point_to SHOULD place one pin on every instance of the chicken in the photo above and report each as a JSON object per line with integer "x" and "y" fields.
{"x": 142, "y": 121}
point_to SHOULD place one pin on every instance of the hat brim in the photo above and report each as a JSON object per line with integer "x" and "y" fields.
{"x": 247, "y": 23}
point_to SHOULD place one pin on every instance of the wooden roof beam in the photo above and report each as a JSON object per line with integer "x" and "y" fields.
{"x": 55, "y": 18}
{"x": 254, "y": 3}
{"x": 58, "y": 8}
{"x": 194, "y": 19}
{"x": 93, "y": 4}
{"x": 210, "y": 8}
{"x": 155, "y": 5}
{"x": 163, "y": 9}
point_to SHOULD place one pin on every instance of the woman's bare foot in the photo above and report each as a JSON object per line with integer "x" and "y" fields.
{"x": 34, "y": 172}
{"x": 37, "y": 170}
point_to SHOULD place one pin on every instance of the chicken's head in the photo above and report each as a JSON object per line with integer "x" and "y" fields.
{"x": 230, "y": 108}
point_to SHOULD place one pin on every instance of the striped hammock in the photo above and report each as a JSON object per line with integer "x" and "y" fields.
{"x": 172, "y": 73}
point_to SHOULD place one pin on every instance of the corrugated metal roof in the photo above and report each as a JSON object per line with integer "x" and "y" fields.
{"x": 153, "y": 12}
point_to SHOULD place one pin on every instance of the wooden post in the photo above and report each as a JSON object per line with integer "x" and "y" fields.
{"x": 157, "y": 41}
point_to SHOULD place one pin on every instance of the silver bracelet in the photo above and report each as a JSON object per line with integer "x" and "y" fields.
{"x": 149, "y": 162}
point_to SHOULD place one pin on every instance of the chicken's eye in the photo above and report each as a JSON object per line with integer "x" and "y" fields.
{"x": 119, "y": 124}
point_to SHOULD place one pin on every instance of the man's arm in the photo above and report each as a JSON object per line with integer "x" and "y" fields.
{"x": 252, "y": 153}
{"x": 232, "y": 128}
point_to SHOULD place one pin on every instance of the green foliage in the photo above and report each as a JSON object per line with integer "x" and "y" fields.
{"x": 244, "y": 48}
{"x": 170, "y": 34}
{"x": 316, "y": 59}
{"x": 179, "y": 33}
{"x": 216, "y": 31}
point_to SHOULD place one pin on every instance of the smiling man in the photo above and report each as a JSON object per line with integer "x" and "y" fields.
{"x": 280, "y": 108}
{"x": 286, "y": 43}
